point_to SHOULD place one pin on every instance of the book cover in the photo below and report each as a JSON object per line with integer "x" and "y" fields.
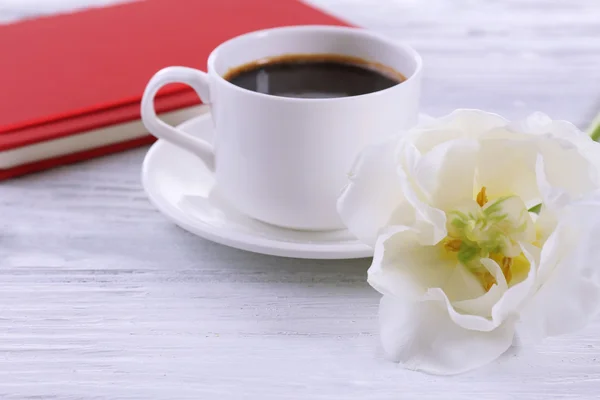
{"x": 79, "y": 73}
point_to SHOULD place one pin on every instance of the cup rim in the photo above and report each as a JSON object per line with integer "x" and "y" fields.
{"x": 323, "y": 28}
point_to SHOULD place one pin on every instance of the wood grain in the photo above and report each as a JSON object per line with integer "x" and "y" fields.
{"x": 102, "y": 298}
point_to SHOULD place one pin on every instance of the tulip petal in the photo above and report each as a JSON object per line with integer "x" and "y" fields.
{"x": 540, "y": 124}
{"x": 483, "y": 304}
{"x": 462, "y": 285}
{"x": 513, "y": 299}
{"x": 506, "y": 307}
{"x": 459, "y": 124}
{"x": 373, "y": 193}
{"x": 565, "y": 173}
{"x": 586, "y": 145}
{"x": 569, "y": 285}
{"x": 404, "y": 268}
{"x": 421, "y": 336}
{"x": 446, "y": 174}
{"x": 466, "y": 321}
{"x": 507, "y": 167}
{"x": 553, "y": 198}
{"x": 509, "y": 159}
{"x": 536, "y": 123}
{"x": 428, "y": 220}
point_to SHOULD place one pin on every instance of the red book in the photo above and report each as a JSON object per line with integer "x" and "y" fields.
{"x": 71, "y": 84}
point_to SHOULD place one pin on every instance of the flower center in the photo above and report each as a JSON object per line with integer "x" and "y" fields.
{"x": 489, "y": 229}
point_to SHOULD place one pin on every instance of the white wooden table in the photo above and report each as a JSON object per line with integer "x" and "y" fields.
{"x": 102, "y": 298}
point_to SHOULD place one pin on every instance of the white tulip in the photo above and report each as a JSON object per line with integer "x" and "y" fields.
{"x": 482, "y": 229}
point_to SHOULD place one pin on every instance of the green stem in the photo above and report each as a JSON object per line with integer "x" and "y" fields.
{"x": 594, "y": 128}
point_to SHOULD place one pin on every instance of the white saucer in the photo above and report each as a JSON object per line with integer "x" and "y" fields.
{"x": 184, "y": 191}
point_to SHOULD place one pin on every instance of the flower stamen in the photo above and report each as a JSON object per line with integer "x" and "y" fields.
{"x": 487, "y": 280}
{"x": 453, "y": 245}
{"x": 482, "y": 197}
{"x": 507, "y": 263}
{"x": 489, "y": 230}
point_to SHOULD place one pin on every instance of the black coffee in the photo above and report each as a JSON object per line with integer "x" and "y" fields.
{"x": 314, "y": 76}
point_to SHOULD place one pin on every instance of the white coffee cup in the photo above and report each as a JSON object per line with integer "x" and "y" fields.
{"x": 284, "y": 160}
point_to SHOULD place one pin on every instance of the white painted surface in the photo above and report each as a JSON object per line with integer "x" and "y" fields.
{"x": 101, "y": 297}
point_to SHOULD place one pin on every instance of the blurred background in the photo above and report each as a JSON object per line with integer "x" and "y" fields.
{"x": 509, "y": 56}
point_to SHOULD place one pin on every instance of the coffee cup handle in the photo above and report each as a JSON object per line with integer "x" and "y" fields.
{"x": 198, "y": 80}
